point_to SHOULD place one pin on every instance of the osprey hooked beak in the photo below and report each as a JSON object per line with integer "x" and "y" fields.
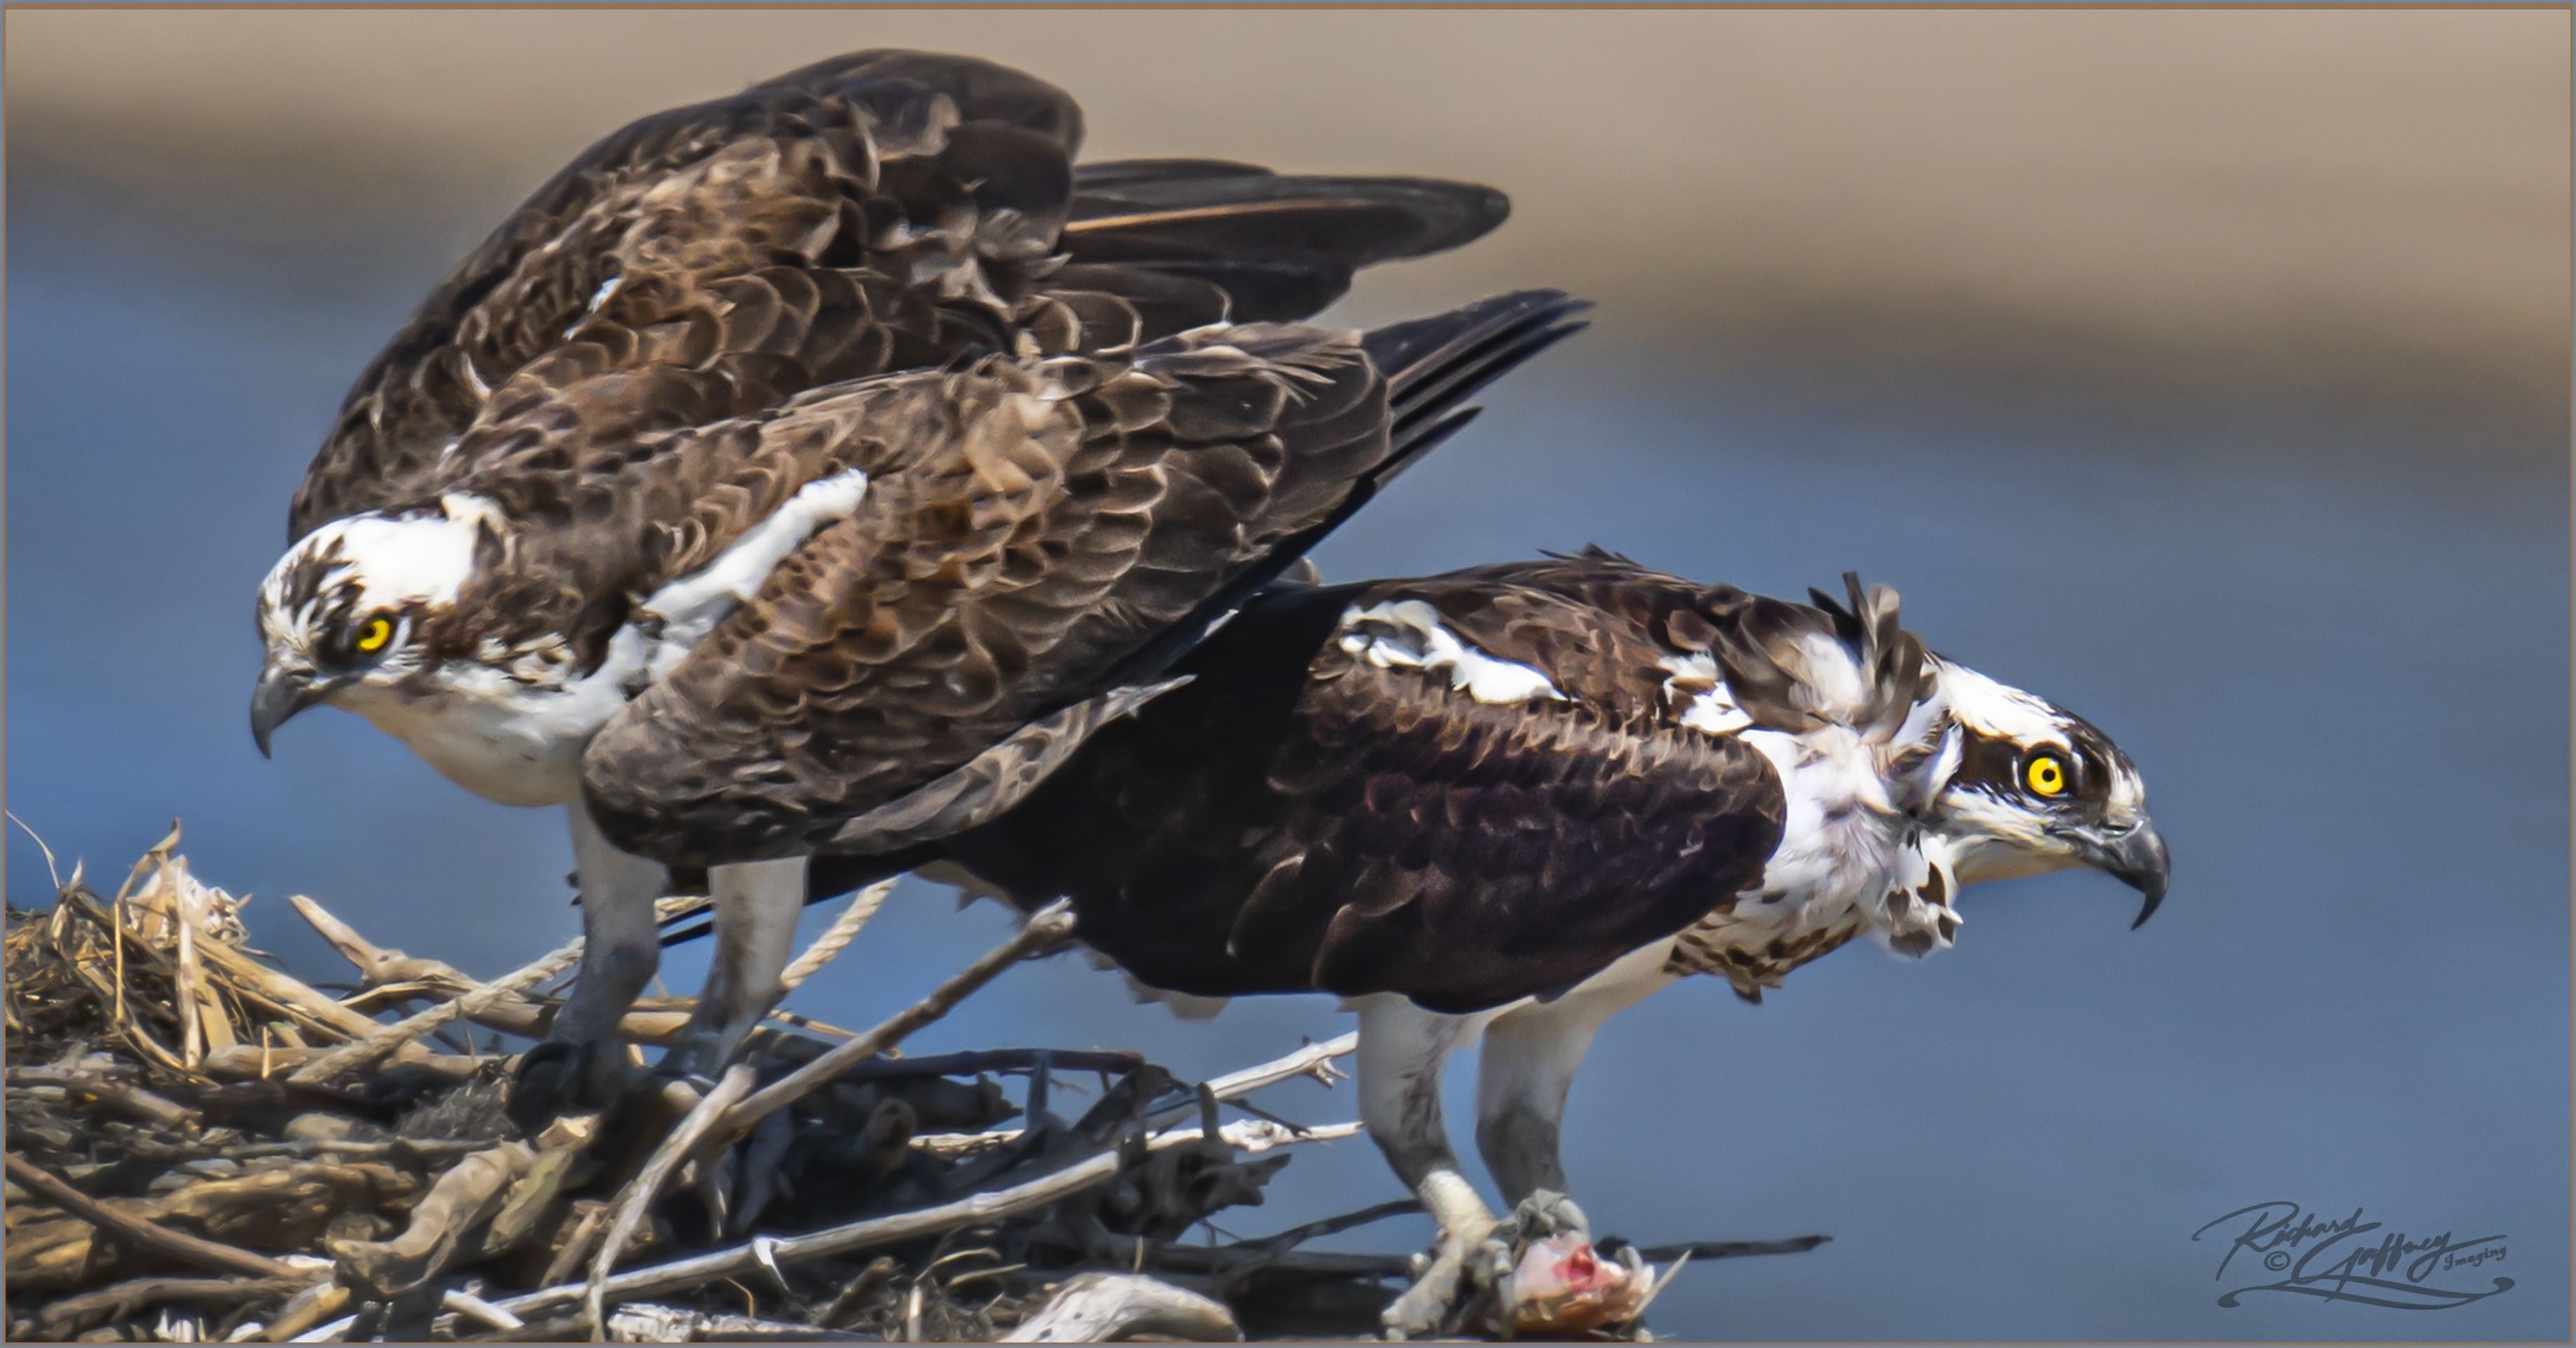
{"x": 281, "y": 693}
{"x": 2134, "y": 855}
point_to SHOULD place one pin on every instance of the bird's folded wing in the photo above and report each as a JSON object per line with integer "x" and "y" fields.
{"x": 944, "y": 176}
{"x": 1190, "y": 241}
{"x": 1027, "y": 525}
{"x": 1460, "y": 790}
{"x": 876, "y": 212}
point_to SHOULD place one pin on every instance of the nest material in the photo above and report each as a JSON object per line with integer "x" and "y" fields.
{"x": 203, "y": 1147}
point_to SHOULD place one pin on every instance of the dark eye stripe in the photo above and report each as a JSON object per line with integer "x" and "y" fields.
{"x": 1999, "y": 768}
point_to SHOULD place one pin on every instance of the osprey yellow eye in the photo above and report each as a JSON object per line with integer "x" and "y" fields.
{"x": 374, "y": 635}
{"x": 2046, "y": 775}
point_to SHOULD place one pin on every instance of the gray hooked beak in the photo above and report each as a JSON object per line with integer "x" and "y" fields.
{"x": 2135, "y": 856}
{"x": 281, "y": 693}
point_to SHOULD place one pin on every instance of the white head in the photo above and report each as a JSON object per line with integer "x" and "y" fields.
{"x": 2020, "y": 786}
{"x": 353, "y": 604}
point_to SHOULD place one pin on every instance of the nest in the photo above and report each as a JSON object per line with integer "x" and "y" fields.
{"x": 202, "y": 1147}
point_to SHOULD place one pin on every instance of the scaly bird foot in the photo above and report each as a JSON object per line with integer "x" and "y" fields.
{"x": 1464, "y": 1271}
{"x": 696, "y": 1054}
{"x": 1548, "y": 1213}
{"x": 557, "y": 1077}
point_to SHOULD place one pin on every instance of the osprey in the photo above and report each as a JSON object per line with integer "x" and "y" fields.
{"x": 1508, "y": 802}
{"x": 815, "y": 468}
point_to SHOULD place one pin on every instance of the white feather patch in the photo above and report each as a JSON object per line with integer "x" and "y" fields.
{"x": 691, "y": 606}
{"x": 1997, "y": 710}
{"x": 1711, "y": 711}
{"x": 394, "y": 559}
{"x": 1408, "y": 634}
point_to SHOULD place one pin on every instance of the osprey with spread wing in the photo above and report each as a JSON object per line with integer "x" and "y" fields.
{"x": 816, "y": 468}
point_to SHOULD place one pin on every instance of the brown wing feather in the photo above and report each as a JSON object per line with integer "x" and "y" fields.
{"x": 1298, "y": 819}
{"x": 947, "y": 174}
{"x": 874, "y": 212}
{"x": 1037, "y": 522}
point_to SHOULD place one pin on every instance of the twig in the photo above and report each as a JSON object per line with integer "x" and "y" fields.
{"x": 58, "y": 1317}
{"x": 480, "y": 1311}
{"x": 974, "y": 1209}
{"x": 116, "y": 923}
{"x": 51, "y": 872}
{"x": 391, "y": 1037}
{"x": 405, "y": 1150}
{"x": 132, "y": 1100}
{"x": 1224, "y": 1260}
{"x": 1271, "y": 1246}
{"x": 995, "y": 1060}
{"x": 289, "y": 994}
{"x": 1043, "y": 931}
{"x": 377, "y": 966}
{"x": 1102, "y": 1307}
{"x": 867, "y": 1283}
{"x": 196, "y": 1250}
{"x": 252, "y": 1063}
{"x": 1314, "y": 1060}
{"x": 469, "y": 1192}
{"x": 306, "y": 1309}
{"x": 576, "y": 1246}
{"x": 639, "y": 1193}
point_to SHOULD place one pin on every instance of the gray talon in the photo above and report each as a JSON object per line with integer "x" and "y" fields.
{"x": 1548, "y": 1213}
{"x": 1460, "y": 1274}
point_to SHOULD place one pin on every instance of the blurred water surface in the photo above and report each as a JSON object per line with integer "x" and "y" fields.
{"x": 2339, "y": 655}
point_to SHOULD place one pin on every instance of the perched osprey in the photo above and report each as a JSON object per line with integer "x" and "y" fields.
{"x": 815, "y": 468}
{"x": 1512, "y": 801}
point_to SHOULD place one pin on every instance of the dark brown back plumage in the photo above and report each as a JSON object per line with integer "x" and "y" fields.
{"x": 876, "y": 212}
{"x": 1302, "y": 819}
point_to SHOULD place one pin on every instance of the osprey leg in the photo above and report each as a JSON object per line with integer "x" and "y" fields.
{"x": 1404, "y": 1051}
{"x": 1523, "y": 1073}
{"x": 757, "y": 904}
{"x": 581, "y": 1060}
{"x": 1560, "y": 1283}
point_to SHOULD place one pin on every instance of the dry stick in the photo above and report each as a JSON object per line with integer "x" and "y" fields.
{"x": 116, "y": 915}
{"x": 576, "y": 1246}
{"x": 640, "y": 1192}
{"x": 291, "y": 994}
{"x": 1049, "y": 926}
{"x": 177, "y": 1244}
{"x": 124, "y": 1298}
{"x": 132, "y": 1100}
{"x": 295, "y": 1321}
{"x": 391, "y": 1037}
{"x": 1228, "y": 1260}
{"x": 836, "y": 936}
{"x": 520, "y": 1014}
{"x": 1102, "y": 1307}
{"x": 404, "y": 1150}
{"x": 1314, "y": 1060}
{"x": 462, "y": 1199}
{"x": 972, "y": 1061}
{"x": 1282, "y": 1242}
{"x": 480, "y": 1311}
{"x": 974, "y": 1209}
{"x": 254, "y": 1064}
{"x": 376, "y": 965}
